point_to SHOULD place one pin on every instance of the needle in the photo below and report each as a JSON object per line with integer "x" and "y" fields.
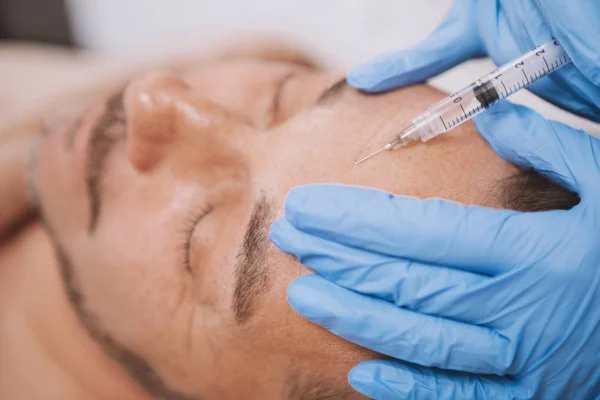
{"x": 386, "y": 147}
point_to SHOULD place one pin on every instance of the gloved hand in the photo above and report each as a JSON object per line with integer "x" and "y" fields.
{"x": 438, "y": 284}
{"x": 504, "y": 30}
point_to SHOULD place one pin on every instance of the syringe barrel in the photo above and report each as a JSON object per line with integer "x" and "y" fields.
{"x": 424, "y": 127}
{"x": 475, "y": 98}
{"x": 428, "y": 125}
{"x": 531, "y": 66}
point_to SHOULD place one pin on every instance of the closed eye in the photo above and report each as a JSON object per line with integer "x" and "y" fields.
{"x": 330, "y": 93}
{"x": 333, "y": 91}
{"x": 189, "y": 228}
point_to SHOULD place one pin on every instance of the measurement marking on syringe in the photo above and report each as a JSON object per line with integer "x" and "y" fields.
{"x": 489, "y": 89}
{"x": 505, "y": 90}
{"x": 546, "y": 62}
{"x": 526, "y": 80}
{"x": 461, "y": 106}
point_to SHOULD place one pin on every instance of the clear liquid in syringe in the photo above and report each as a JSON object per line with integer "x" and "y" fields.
{"x": 475, "y": 98}
{"x": 500, "y": 84}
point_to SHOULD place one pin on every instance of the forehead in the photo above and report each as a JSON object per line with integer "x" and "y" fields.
{"x": 322, "y": 144}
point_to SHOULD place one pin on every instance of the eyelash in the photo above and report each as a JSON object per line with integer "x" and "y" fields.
{"x": 187, "y": 231}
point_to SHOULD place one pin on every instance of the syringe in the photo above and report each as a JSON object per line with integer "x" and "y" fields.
{"x": 480, "y": 95}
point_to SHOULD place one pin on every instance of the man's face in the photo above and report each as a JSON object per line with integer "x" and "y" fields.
{"x": 162, "y": 205}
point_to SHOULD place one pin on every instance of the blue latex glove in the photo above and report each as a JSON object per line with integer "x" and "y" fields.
{"x": 503, "y": 29}
{"x": 438, "y": 284}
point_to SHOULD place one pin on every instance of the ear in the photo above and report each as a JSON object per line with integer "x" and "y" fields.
{"x": 162, "y": 111}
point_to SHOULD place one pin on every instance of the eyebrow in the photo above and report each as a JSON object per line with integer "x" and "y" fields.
{"x": 109, "y": 129}
{"x": 252, "y": 277}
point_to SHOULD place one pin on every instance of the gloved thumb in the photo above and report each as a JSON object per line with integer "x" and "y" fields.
{"x": 384, "y": 380}
{"x": 454, "y": 41}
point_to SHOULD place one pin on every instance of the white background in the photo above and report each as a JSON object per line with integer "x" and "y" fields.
{"x": 355, "y": 28}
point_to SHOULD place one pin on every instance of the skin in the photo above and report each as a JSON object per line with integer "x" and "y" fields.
{"x": 207, "y": 142}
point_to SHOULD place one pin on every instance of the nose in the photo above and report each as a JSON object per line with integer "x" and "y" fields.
{"x": 150, "y": 104}
{"x": 164, "y": 114}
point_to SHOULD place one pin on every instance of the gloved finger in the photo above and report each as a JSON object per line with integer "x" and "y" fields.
{"x": 431, "y": 231}
{"x": 526, "y": 138}
{"x": 576, "y": 28}
{"x": 419, "y": 287}
{"x": 455, "y": 40}
{"x": 428, "y": 289}
{"x": 383, "y": 379}
{"x": 509, "y": 28}
{"x": 406, "y": 335}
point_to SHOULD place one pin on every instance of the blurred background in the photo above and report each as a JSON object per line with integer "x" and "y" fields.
{"x": 51, "y": 47}
{"x": 125, "y": 25}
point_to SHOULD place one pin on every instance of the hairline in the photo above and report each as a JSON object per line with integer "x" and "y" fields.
{"x": 308, "y": 385}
